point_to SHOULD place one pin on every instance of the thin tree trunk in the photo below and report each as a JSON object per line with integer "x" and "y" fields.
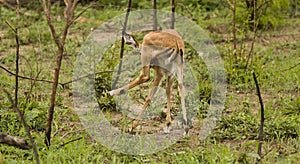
{"x": 255, "y": 28}
{"x": 232, "y": 7}
{"x": 17, "y": 56}
{"x": 16, "y": 141}
{"x": 172, "y": 14}
{"x": 251, "y": 5}
{"x": 154, "y": 15}
{"x": 122, "y": 45}
{"x": 234, "y": 26}
{"x": 53, "y": 97}
{"x": 262, "y": 117}
{"x": 60, "y": 43}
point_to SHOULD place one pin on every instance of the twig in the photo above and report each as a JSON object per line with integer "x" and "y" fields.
{"x": 48, "y": 81}
{"x": 22, "y": 119}
{"x": 11, "y": 26}
{"x": 73, "y": 140}
{"x": 13, "y": 8}
{"x": 266, "y": 153}
{"x": 57, "y": 130}
{"x": 264, "y": 4}
{"x": 187, "y": 9}
{"x": 32, "y": 84}
{"x": 292, "y": 67}
{"x": 280, "y": 35}
{"x": 74, "y": 131}
{"x": 82, "y": 77}
{"x": 24, "y": 77}
{"x": 232, "y": 7}
{"x": 262, "y": 118}
{"x": 83, "y": 11}
{"x": 256, "y": 23}
{"x": 234, "y": 30}
{"x": 8, "y": 5}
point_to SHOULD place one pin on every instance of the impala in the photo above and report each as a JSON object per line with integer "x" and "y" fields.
{"x": 162, "y": 51}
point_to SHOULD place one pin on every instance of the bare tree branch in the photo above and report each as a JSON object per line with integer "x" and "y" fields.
{"x": 47, "y": 9}
{"x": 86, "y": 76}
{"x": 11, "y": 26}
{"x": 15, "y": 103}
{"x": 10, "y": 6}
{"x": 292, "y": 67}
{"x": 83, "y": 11}
{"x": 60, "y": 43}
{"x": 49, "y": 81}
{"x": 187, "y": 9}
{"x": 255, "y": 23}
{"x": 66, "y": 143}
{"x": 24, "y": 77}
{"x": 231, "y": 6}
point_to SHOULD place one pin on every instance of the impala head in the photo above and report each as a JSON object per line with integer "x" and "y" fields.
{"x": 130, "y": 40}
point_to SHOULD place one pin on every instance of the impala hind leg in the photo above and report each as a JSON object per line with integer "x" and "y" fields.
{"x": 182, "y": 98}
{"x": 168, "y": 113}
{"x": 151, "y": 94}
{"x": 143, "y": 77}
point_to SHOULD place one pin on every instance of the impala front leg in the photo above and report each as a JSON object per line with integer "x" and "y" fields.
{"x": 143, "y": 77}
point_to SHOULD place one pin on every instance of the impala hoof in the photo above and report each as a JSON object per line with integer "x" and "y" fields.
{"x": 186, "y": 132}
{"x": 111, "y": 93}
{"x": 167, "y": 130}
{"x": 130, "y": 131}
{"x": 116, "y": 92}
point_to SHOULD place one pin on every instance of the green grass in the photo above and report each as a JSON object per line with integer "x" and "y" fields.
{"x": 234, "y": 140}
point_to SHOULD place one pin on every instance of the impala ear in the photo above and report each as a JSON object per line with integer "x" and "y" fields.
{"x": 129, "y": 40}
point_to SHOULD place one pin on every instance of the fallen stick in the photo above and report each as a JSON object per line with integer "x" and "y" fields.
{"x": 14, "y": 141}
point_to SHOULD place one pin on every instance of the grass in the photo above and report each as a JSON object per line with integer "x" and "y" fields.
{"x": 232, "y": 141}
